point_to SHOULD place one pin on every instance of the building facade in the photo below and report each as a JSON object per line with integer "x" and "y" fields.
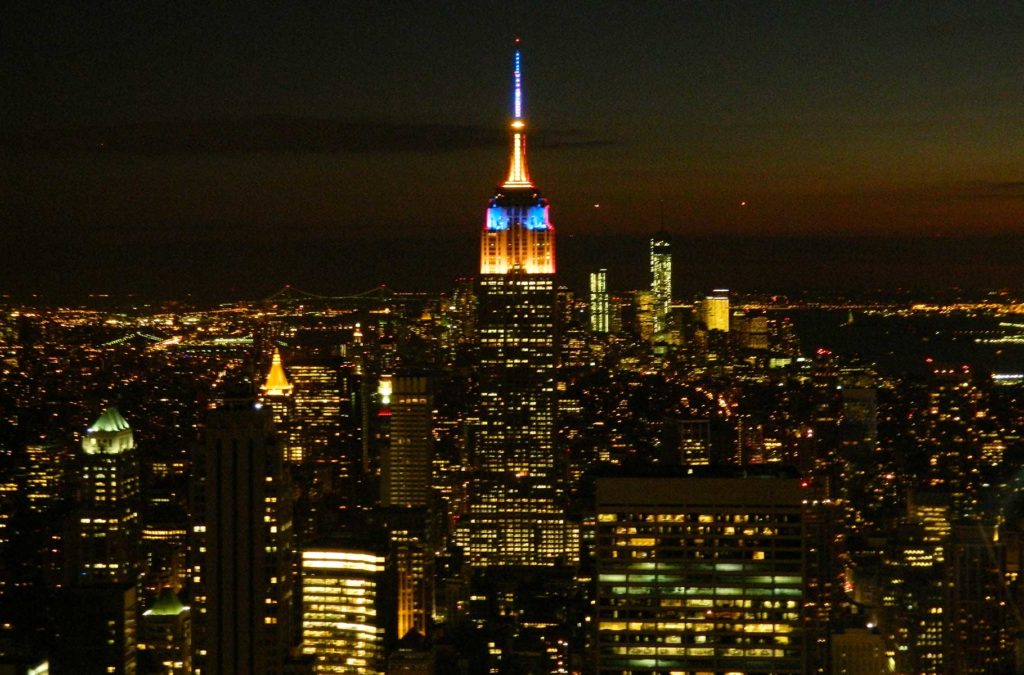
{"x": 701, "y": 574}
{"x": 243, "y": 573}
{"x": 341, "y": 625}
{"x": 405, "y": 476}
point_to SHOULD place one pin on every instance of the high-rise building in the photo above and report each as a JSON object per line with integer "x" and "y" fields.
{"x": 410, "y": 564}
{"x": 694, "y": 442}
{"x": 979, "y": 635}
{"x": 108, "y": 505}
{"x": 341, "y": 625}
{"x": 320, "y": 403}
{"x": 516, "y": 513}
{"x": 714, "y": 310}
{"x": 98, "y": 620}
{"x": 242, "y": 577}
{"x": 46, "y": 477}
{"x": 645, "y": 312}
{"x": 98, "y": 630}
{"x": 406, "y": 458}
{"x": 661, "y": 279}
{"x": 702, "y": 574}
{"x": 165, "y": 635}
{"x": 278, "y": 392}
{"x": 599, "y": 301}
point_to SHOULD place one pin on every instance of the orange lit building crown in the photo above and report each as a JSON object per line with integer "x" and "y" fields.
{"x": 518, "y": 234}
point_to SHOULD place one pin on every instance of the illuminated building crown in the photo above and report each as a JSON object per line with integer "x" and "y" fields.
{"x": 518, "y": 235}
{"x": 109, "y": 434}
{"x": 277, "y": 383}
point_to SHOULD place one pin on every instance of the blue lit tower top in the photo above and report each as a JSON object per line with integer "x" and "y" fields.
{"x": 517, "y": 236}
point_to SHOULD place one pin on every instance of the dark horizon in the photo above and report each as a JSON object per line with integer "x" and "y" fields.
{"x": 783, "y": 118}
{"x": 220, "y": 271}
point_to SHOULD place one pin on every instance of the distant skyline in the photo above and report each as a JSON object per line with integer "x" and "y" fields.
{"x": 173, "y": 123}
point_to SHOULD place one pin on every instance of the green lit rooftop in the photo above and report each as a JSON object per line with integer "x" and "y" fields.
{"x": 111, "y": 420}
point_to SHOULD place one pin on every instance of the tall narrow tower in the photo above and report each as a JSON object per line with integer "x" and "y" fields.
{"x": 243, "y": 571}
{"x": 516, "y": 514}
{"x": 599, "y": 301}
{"x": 108, "y": 509}
{"x": 661, "y": 279}
{"x": 279, "y": 393}
{"x": 97, "y": 623}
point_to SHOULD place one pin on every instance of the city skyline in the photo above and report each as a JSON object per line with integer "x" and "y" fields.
{"x": 641, "y": 448}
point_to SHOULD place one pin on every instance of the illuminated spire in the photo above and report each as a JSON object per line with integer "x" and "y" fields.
{"x": 518, "y": 176}
{"x": 277, "y": 383}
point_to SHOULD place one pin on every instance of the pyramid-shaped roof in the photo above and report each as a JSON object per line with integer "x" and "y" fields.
{"x": 167, "y": 604}
{"x": 277, "y": 383}
{"x": 111, "y": 421}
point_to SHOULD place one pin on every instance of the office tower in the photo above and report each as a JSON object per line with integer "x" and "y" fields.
{"x": 715, "y": 310}
{"x": 979, "y": 630}
{"x": 932, "y": 511}
{"x": 165, "y": 635}
{"x": 98, "y": 631}
{"x": 406, "y": 458}
{"x": 694, "y": 442}
{"x": 108, "y": 505}
{"x": 950, "y": 429}
{"x": 410, "y": 567}
{"x": 460, "y": 314}
{"x": 242, "y": 576}
{"x": 278, "y": 393}
{"x": 46, "y": 479}
{"x": 341, "y": 625}
{"x": 515, "y": 514}
{"x": 750, "y": 443}
{"x": 661, "y": 279}
{"x": 860, "y": 416}
{"x": 645, "y": 311}
{"x": 599, "y": 302}
{"x": 752, "y": 331}
{"x": 914, "y": 612}
{"x": 97, "y": 623}
{"x": 320, "y": 400}
{"x": 704, "y": 574}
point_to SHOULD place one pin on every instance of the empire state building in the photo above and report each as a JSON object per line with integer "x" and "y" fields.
{"x": 516, "y": 506}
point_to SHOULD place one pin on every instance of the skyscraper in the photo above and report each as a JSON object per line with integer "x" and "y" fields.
{"x": 661, "y": 279}
{"x": 98, "y": 624}
{"x": 243, "y": 574}
{"x": 341, "y": 626}
{"x": 703, "y": 574}
{"x": 108, "y": 505}
{"x": 515, "y": 514}
{"x": 278, "y": 392}
{"x": 599, "y": 301}
{"x": 405, "y": 460}
{"x": 694, "y": 442}
{"x": 165, "y": 634}
{"x": 714, "y": 310}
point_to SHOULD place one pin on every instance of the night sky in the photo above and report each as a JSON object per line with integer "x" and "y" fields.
{"x": 179, "y": 124}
